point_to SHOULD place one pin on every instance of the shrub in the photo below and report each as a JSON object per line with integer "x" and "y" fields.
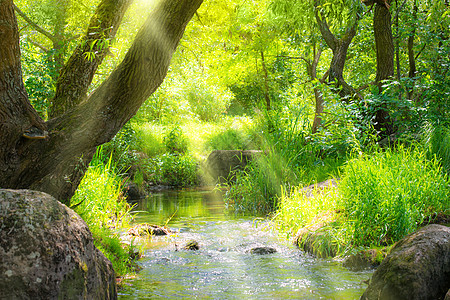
{"x": 178, "y": 170}
{"x": 175, "y": 141}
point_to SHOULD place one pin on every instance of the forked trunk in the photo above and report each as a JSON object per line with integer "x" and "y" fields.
{"x": 53, "y": 156}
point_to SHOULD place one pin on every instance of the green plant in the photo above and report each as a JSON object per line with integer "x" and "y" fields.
{"x": 99, "y": 201}
{"x": 175, "y": 141}
{"x": 178, "y": 170}
{"x": 228, "y": 139}
{"x": 386, "y": 195}
{"x": 437, "y": 143}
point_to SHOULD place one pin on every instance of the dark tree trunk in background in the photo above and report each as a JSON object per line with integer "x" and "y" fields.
{"x": 385, "y": 61}
{"x": 55, "y": 164}
{"x": 266, "y": 81}
{"x": 411, "y": 58}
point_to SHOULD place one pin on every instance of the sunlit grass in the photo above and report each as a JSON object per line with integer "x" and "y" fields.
{"x": 387, "y": 194}
{"x": 99, "y": 201}
{"x": 381, "y": 197}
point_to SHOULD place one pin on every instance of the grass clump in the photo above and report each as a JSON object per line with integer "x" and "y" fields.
{"x": 381, "y": 198}
{"x": 386, "y": 195}
{"x": 99, "y": 201}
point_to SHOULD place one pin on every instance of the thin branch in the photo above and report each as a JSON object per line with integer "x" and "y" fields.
{"x": 420, "y": 52}
{"x": 33, "y": 24}
{"x": 43, "y": 48}
{"x": 325, "y": 76}
{"x": 398, "y": 10}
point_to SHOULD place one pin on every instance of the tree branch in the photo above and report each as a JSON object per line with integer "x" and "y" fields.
{"x": 78, "y": 72}
{"x": 43, "y": 48}
{"x": 33, "y": 24}
{"x": 327, "y": 35}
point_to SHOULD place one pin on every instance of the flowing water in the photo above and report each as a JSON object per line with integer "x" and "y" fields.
{"x": 224, "y": 268}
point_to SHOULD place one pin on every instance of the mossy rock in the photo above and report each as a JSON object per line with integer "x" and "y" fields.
{"x": 366, "y": 259}
{"x": 146, "y": 229}
{"x": 191, "y": 245}
{"x": 263, "y": 250}
{"x": 417, "y": 267}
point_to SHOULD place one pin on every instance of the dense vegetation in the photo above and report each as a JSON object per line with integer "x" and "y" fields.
{"x": 269, "y": 75}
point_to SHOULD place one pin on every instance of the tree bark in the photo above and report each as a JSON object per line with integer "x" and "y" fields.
{"x": 339, "y": 48}
{"x": 77, "y": 74}
{"x": 385, "y": 62}
{"x": 411, "y": 58}
{"x": 56, "y": 164}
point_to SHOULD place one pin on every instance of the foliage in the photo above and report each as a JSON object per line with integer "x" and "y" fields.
{"x": 380, "y": 198}
{"x": 437, "y": 145}
{"x": 38, "y": 74}
{"x": 178, "y": 170}
{"x": 386, "y": 195}
{"x": 229, "y": 139}
{"x": 175, "y": 141}
{"x": 99, "y": 201}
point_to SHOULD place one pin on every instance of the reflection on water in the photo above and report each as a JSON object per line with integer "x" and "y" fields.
{"x": 223, "y": 268}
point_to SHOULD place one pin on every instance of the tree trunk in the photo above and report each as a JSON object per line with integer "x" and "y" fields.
{"x": 77, "y": 74}
{"x": 385, "y": 62}
{"x": 266, "y": 81}
{"x": 411, "y": 58}
{"x": 56, "y": 163}
{"x": 339, "y": 48}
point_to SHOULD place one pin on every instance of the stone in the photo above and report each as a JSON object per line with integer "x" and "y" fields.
{"x": 418, "y": 267}
{"x": 363, "y": 260}
{"x": 315, "y": 238}
{"x": 221, "y": 165}
{"x": 191, "y": 245}
{"x": 47, "y": 251}
{"x": 148, "y": 229}
{"x": 263, "y": 250}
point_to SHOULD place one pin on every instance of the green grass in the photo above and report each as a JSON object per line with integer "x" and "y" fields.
{"x": 99, "y": 201}
{"x": 387, "y": 194}
{"x": 381, "y": 197}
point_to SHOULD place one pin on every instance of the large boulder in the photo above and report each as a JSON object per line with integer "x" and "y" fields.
{"x": 418, "y": 267}
{"x": 221, "y": 164}
{"x": 47, "y": 251}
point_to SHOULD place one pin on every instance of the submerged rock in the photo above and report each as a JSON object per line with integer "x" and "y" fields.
{"x": 191, "y": 245}
{"x": 367, "y": 259}
{"x": 263, "y": 250}
{"x": 418, "y": 267}
{"x": 47, "y": 251}
{"x": 148, "y": 229}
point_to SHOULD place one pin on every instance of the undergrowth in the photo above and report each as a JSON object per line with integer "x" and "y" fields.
{"x": 99, "y": 201}
{"x": 381, "y": 197}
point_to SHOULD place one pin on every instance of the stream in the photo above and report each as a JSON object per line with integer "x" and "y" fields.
{"x": 224, "y": 268}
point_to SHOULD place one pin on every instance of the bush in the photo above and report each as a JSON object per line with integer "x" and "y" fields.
{"x": 178, "y": 170}
{"x": 228, "y": 139}
{"x": 175, "y": 141}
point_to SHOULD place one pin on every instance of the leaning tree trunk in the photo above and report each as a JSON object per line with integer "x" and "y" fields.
{"x": 385, "y": 62}
{"x": 55, "y": 159}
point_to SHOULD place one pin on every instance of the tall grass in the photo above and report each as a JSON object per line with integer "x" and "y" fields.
{"x": 289, "y": 159}
{"x": 437, "y": 143}
{"x": 381, "y": 197}
{"x": 99, "y": 201}
{"x": 386, "y": 195}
